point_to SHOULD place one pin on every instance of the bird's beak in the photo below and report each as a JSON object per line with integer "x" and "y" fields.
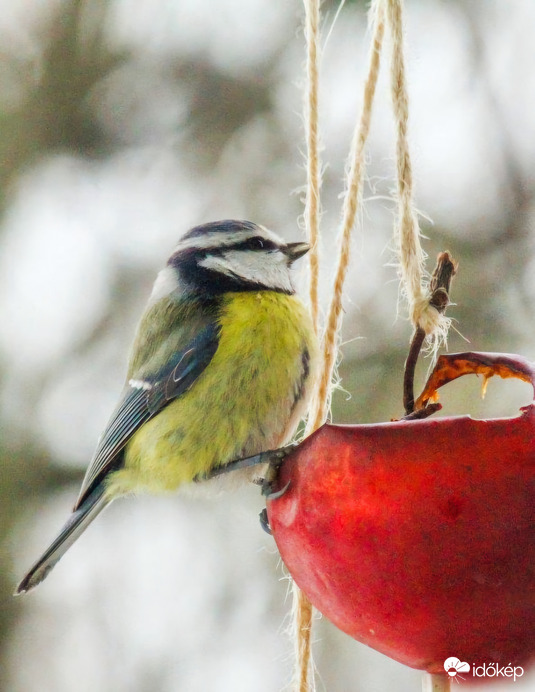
{"x": 296, "y": 250}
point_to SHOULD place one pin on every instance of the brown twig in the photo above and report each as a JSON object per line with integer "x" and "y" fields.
{"x": 410, "y": 367}
{"x": 421, "y": 413}
{"x": 439, "y": 287}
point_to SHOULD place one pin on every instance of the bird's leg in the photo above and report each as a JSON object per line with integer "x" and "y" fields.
{"x": 273, "y": 457}
{"x": 235, "y": 465}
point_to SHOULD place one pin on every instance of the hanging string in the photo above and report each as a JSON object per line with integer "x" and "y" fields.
{"x": 413, "y": 277}
{"x": 411, "y": 256}
{"x": 312, "y": 202}
{"x": 351, "y": 205}
{"x": 302, "y": 610}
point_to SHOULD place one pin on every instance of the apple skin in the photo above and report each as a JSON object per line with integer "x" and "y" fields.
{"x": 417, "y": 538}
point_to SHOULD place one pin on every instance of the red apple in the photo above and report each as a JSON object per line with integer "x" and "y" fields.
{"x": 417, "y": 537}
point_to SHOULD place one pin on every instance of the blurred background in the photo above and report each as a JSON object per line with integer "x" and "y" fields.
{"x": 122, "y": 124}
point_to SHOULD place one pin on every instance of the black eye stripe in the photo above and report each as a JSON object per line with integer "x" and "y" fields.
{"x": 193, "y": 254}
{"x": 256, "y": 243}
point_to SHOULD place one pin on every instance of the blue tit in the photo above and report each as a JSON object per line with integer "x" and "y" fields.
{"x": 220, "y": 369}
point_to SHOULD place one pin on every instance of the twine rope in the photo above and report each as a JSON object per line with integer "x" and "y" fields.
{"x": 302, "y": 611}
{"x": 312, "y": 202}
{"x": 414, "y": 279}
{"x": 302, "y": 608}
{"x": 351, "y": 205}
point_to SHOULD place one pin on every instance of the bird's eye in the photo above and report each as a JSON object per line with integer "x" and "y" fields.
{"x": 257, "y": 243}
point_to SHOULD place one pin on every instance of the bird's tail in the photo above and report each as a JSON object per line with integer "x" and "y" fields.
{"x": 74, "y": 527}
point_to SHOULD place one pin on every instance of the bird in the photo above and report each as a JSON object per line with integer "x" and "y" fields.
{"x": 221, "y": 368}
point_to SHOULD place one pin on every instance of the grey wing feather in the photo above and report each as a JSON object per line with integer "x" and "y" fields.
{"x": 144, "y": 399}
{"x": 76, "y": 524}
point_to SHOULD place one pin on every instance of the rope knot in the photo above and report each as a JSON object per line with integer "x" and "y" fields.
{"x": 426, "y": 315}
{"x": 427, "y": 309}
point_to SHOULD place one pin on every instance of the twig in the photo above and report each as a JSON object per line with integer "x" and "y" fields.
{"x": 421, "y": 413}
{"x": 439, "y": 287}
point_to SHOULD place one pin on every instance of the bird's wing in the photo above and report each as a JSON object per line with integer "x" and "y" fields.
{"x": 144, "y": 398}
{"x": 75, "y": 525}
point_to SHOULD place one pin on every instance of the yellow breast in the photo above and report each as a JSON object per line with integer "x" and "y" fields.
{"x": 249, "y": 399}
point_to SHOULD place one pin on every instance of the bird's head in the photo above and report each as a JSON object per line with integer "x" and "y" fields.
{"x": 227, "y": 256}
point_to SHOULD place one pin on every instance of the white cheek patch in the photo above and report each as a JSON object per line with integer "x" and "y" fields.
{"x": 270, "y": 269}
{"x": 165, "y": 284}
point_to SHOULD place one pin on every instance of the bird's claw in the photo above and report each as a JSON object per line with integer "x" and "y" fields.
{"x": 275, "y": 460}
{"x": 264, "y": 523}
{"x": 263, "y": 516}
{"x": 278, "y": 493}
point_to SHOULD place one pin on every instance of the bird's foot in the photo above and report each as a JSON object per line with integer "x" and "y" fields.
{"x": 274, "y": 460}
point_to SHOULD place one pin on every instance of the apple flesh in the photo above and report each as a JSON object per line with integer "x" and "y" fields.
{"x": 417, "y": 538}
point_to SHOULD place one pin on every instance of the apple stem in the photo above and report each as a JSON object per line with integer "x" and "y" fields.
{"x": 435, "y": 683}
{"x": 439, "y": 287}
{"x": 410, "y": 367}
